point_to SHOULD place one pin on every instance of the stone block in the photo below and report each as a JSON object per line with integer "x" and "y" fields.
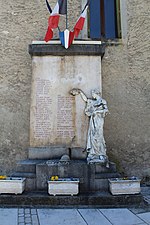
{"x": 76, "y": 169}
{"x": 42, "y": 176}
{"x": 53, "y": 152}
{"x": 106, "y": 175}
{"x": 30, "y": 184}
{"x": 78, "y": 153}
{"x": 101, "y": 184}
{"x": 28, "y": 165}
{"x": 99, "y": 168}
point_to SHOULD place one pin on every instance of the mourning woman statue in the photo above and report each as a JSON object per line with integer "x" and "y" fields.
{"x": 95, "y": 109}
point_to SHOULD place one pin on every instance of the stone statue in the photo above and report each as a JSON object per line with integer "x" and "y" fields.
{"x": 95, "y": 108}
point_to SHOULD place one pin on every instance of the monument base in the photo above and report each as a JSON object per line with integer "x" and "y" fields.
{"x": 92, "y": 177}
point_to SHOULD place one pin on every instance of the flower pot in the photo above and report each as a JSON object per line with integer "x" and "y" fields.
{"x": 120, "y": 186}
{"x": 12, "y": 185}
{"x": 64, "y": 186}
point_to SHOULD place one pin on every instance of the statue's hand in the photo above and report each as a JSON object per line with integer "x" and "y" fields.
{"x": 75, "y": 91}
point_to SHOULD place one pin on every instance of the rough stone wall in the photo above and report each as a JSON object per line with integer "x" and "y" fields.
{"x": 126, "y": 86}
{"x": 126, "y": 83}
{"x": 21, "y": 22}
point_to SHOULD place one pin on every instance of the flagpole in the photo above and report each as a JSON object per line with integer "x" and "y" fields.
{"x": 66, "y": 15}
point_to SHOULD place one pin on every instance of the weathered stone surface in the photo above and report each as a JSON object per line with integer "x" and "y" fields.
{"x": 28, "y": 165}
{"x": 58, "y": 50}
{"x": 89, "y": 179}
{"x": 53, "y": 152}
{"x": 126, "y": 86}
{"x": 126, "y": 83}
{"x": 99, "y": 199}
{"x": 78, "y": 153}
{"x": 57, "y": 117}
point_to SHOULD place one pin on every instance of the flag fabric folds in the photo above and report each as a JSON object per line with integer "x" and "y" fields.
{"x": 49, "y": 34}
{"x": 53, "y": 21}
{"x": 66, "y": 36}
{"x": 80, "y": 23}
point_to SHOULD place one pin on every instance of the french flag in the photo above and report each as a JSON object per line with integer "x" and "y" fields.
{"x": 59, "y": 9}
{"x": 66, "y": 38}
{"x": 80, "y": 23}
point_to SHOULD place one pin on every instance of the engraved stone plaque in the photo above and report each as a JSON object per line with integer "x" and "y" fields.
{"x": 56, "y": 117}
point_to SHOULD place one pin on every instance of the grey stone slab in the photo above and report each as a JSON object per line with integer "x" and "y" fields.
{"x": 21, "y": 219}
{"x": 35, "y": 220}
{"x": 33, "y": 211}
{"x": 8, "y": 216}
{"x": 47, "y": 153}
{"x": 56, "y": 49}
{"x": 27, "y": 210}
{"x": 21, "y": 214}
{"x": 21, "y": 210}
{"x": 145, "y": 217}
{"x": 30, "y": 184}
{"x": 121, "y": 216}
{"x": 78, "y": 153}
{"x": 27, "y": 215}
{"x": 60, "y": 216}
{"x": 101, "y": 184}
{"x": 27, "y": 220}
{"x": 93, "y": 217}
{"x": 28, "y": 165}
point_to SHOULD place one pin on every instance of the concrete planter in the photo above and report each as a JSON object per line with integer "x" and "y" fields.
{"x": 64, "y": 186}
{"x": 120, "y": 186}
{"x": 12, "y": 185}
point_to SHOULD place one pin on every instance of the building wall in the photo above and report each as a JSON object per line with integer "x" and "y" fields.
{"x": 126, "y": 84}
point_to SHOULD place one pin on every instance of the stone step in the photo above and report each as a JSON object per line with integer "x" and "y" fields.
{"x": 52, "y": 152}
{"x": 107, "y": 175}
{"x": 100, "y": 168}
{"x": 28, "y": 165}
{"x": 98, "y": 199}
{"x": 23, "y": 174}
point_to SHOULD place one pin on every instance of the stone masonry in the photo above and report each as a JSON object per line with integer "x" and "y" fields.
{"x": 126, "y": 84}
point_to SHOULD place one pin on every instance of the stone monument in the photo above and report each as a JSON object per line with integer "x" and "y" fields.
{"x": 56, "y": 117}
{"x": 66, "y": 124}
{"x": 95, "y": 109}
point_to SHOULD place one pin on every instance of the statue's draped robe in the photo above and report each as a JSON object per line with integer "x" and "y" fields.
{"x": 95, "y": 139}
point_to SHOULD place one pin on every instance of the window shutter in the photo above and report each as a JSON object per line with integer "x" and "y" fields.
{"x": 95, "y": 21}
{"x": 103, "y": 19}
{"x": 110, "y": 23}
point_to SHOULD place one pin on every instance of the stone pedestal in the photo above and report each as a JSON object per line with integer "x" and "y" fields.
{"x": 92, "y": 177}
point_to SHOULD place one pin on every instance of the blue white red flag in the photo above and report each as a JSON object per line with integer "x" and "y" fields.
{"x": 66, "y": 38}
{"x": 80, "y": 22}
{"x": 59, "y": 9}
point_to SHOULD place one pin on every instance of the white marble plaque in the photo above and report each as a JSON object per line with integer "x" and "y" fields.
{"x": 56, "y": 117}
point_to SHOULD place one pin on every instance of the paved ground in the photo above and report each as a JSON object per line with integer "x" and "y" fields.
{"x": 48, "y": 216}
{"x": 78, "y": 216}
